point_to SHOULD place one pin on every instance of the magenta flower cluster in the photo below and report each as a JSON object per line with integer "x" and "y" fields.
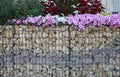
{"x": 48, "y": 20}
{"x": 78, "y": 21}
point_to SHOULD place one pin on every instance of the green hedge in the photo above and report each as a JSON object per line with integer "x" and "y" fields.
{"x": 10, "y": 9}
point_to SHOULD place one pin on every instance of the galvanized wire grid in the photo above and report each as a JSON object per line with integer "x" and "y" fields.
{"x": 63, "y": 51}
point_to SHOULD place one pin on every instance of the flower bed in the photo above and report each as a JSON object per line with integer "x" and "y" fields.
{"x": 80, "y": 21}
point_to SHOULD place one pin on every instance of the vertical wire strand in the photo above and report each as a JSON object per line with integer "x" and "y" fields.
{"x": 69, "y": 54}
{"x": 13, "y": 44}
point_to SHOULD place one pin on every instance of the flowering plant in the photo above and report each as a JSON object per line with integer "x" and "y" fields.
{"x": 79, "y": 21}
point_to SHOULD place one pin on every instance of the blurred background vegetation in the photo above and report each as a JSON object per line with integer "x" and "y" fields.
{"x": 10, "y": 9}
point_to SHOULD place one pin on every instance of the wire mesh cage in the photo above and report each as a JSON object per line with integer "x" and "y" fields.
{"x": 60, "y": 51}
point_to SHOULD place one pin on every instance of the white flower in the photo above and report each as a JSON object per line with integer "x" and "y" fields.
{"x": 73, "y": 6}
{"x": 89, "y": 4}
{"x": 56, "y": 16}
{"x": 39, "y": 16}
{"x": 43, "y": 19}
{"x": 60, "y": 19}
{"x": 76, "y": 12}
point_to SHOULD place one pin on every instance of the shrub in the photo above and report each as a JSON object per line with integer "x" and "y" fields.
{"x": 89, "y": 6}
{"x": 69, "y": 6}
{"x": 27, "y": 7}
{"x": 10, "y": 9}
{"x": 50, "y": 7}
{"x": 6, "y": 10}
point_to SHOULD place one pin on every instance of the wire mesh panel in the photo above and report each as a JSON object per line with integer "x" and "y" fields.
{"x": 95, "y": 52}
{"x": 6, "y": 44}
{"x": 60, "y": 51}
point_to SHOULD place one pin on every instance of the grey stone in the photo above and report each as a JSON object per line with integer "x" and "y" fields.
{"x": 19, "y": 61}
{"x": 111, "y": 53}
{"x": 54, "y": 56}
{"x": 61, "y": 63}
{"x": 32, "y": 55}
{"x": 9, "y": 64}
{"x": 100, "y": 59}
{"x": 75, "y": 58}
{"x": 116, "y": 48}
{"x": 117, "y": 68}
{"x": 87, "y": 60}
{"x": 8, "y": 59}
{"x": 89, "y": 75}
{"x": 21, "y": 57}
{"x": 50, "y": 63}
{"x": 39, "y": 41}
{"x": 36, "y": 61}
{"x": 15, "y": 52}
{"x": 110, "y": 74}
{"x": 38, "y": 68}
{"x": 95, "y": 51}
{"x": 42, "y": 61}
{"x": 25, "y": 52}
{"x": 65, "y": 57}
{"x": 32, "y": 75}
{"x": 111, "y": 61}
{"x": 76, "y": 63}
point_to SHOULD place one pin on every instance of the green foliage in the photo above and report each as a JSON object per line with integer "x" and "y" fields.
{"x": 6, "y": 10}
{"x": 10, "y": 9}
{"x": 27, "y": 7}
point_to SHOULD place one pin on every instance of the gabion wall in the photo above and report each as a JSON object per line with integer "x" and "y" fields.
{"x": 60, "y": 51}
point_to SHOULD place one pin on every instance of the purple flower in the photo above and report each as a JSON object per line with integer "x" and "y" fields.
{"x": 25, "y": 22}
{"x": 14, "y": 20}
{"x": 30, "y": 20}
{"x": 18, "y": 22}
{"x": 79, "y": 21}
{"x": 39, "y": 22}
{"x": 70, "y": 18}
{"x": 49, "y": 20}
